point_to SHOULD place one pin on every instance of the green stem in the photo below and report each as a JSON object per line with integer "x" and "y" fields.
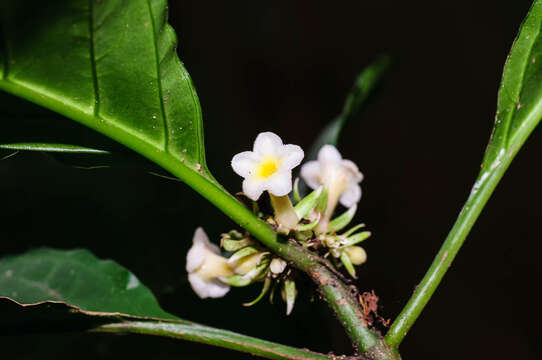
{"x": 346, "y": 307}
{"x": 208, "y": 335}
{"x": 483, "y": 188}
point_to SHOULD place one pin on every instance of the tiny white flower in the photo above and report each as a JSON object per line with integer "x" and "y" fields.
{"x": 268, "y": 167}
{"x": 341, "y": 177}
{"x": 206, "y": 266}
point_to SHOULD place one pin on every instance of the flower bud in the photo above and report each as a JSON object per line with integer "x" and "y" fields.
{"x": 356, "y": 254}
{"x": 277, "y": 265}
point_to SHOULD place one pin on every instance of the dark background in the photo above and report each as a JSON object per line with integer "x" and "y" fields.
{"x": 286, "y": 68}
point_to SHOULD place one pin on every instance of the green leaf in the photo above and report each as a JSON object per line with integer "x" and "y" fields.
{"x": 363, "y": 86}
{"x": 77, "y": 278}
{"x": 112, "y": 66}
{"x": 55, "y": 148}
{"x": 57, "y": 291}
{"x": 519, "y": 107}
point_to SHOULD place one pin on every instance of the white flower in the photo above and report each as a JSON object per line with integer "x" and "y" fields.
{"x": 268, "y": 167}
{"x": 339, "y": 176}
{"x": 206, "y": 266}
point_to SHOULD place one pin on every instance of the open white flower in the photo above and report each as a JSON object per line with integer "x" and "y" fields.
{"x": 206, "y": 267}
{"x": 339, "y": 176}
{"x": 268, "y": 167}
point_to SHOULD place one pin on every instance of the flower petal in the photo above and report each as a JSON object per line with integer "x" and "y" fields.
{"x": 204, "y": 289}
{"x": 196, "y": 254}
{"x": 353, "y": 171}
{"x": 329, "y": 153}
{"x": 253, "y": 188}
{"x": 280, "y": 184}
{"x": 267, "y": 144}
{"x": 245, "y": 163}
{"x": 291, "y": 156}
{"x": 311, "y": 172}
{"x": 351, "y": 195}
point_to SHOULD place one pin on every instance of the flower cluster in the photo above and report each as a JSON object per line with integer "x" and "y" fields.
{"x": 308, "y": 220}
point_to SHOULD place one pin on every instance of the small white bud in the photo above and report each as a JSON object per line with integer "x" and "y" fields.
{"x": 278, "y": 265}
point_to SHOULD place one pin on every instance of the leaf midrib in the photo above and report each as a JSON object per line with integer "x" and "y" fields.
{"x": 158, "y": 77}
{"x": 517, "y": 100}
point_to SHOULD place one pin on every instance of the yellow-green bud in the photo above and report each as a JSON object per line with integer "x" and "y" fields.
{"x": 356, "y": 254}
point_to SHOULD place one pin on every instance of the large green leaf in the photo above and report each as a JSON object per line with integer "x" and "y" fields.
{"x": 112, "y": 66}
{"x": 519, "y": 107}
{"x": 78, "y": 278}
{"x": 54, "y": 290}
{"x": 519, "y": 110}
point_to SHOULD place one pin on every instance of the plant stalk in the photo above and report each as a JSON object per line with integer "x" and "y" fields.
{"x": 483, "y": 188}
{"x": 345, "y": 306}
{"x": 208, "y": 335}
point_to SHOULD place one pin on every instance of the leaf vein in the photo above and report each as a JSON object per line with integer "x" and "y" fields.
{"x": 516, "y": 99}
{"x": 159, "y": 78}
{"x": 96, "y": 102}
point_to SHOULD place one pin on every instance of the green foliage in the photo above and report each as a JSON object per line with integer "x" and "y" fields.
{"x": 76, "y": 278}
{"x": 111, "y": 65}
{"x": 519, "y": 110}
{"x": 519, "y": 107}
{"x": 53, "y": 290}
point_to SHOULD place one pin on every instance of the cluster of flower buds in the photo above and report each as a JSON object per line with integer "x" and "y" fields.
{"x": 309, "y": 220}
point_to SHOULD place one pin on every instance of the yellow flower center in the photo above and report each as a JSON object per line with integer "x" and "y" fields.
{"x": 268, "y": 167}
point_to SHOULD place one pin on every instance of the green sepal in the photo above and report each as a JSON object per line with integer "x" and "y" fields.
{"x": 303, "y": 236}
{"x": 353, "y": 230}
{"x": 260, "y": 270}
{"x": 309, "y": 226}
{"x": 253, "y": 275}
{"x": 272, "y": 293}
{"x": 297, "y": 196}
{"x": 348, "y": 264}
{"x": 322, "y": 202}
{"x": 265, "y": 288}
{"x": 289, "y": 293}
{"x": 234, "y": 234}
{"x": 245, "y": 251}
{"x": 255, "y": 208}
{"x": 340, "y": 222}
{"x": 356, "y": 238}
{"x": 234, "y": 245}
{"x": 237, "y": 280}
{"x": 307, "y": 204}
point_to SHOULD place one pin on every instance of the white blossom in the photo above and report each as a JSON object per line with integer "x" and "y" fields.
{"x": 206, "y": 267}
{"x": 268, "y": 167}
{"x": 332, "y": 170}
{"x": 341, "y": 177}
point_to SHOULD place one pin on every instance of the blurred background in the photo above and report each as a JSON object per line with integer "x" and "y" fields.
{"x": 286, "y": 67}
